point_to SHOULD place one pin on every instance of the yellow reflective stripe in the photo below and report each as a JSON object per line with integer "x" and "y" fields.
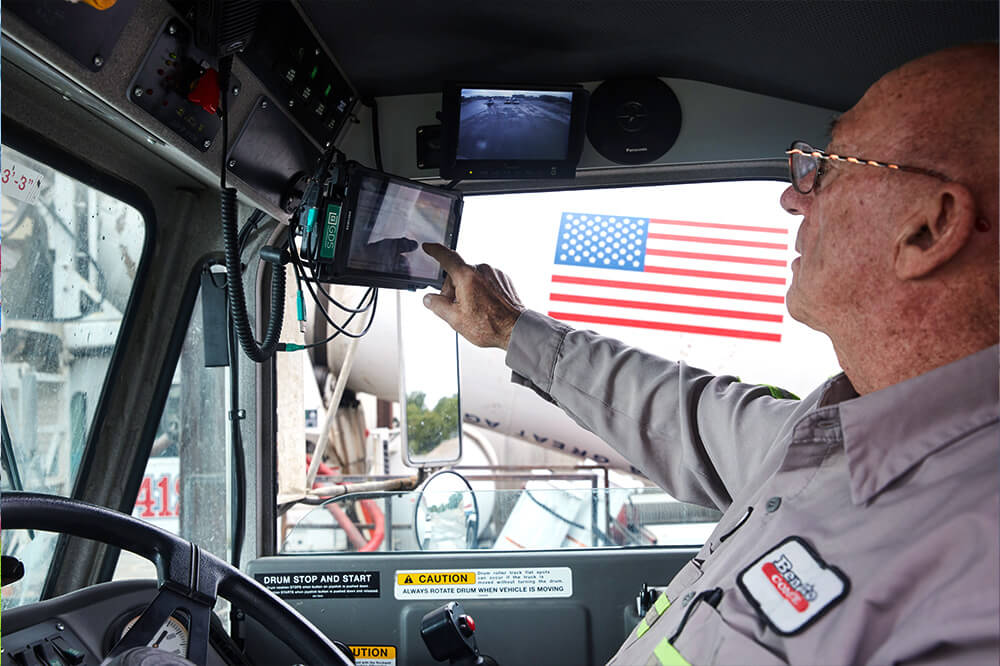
{"x": 668, "y": 654}
{"x": 661, "y": 604}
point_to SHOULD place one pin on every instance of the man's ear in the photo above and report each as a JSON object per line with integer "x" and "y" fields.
{"x": 936, "y": 231}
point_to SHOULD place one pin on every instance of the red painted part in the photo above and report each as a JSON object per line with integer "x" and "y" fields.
{"x": 353, "y": 533}
{"x": 375, "y": 515}
{"x": 322, "y": 470}
{"x": 663, "y": 326}
{"x": 206, "y": 91}
{"x": 369, "y": 509}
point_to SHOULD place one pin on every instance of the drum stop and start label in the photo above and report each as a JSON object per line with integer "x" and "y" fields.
{"x": 322, "y": 585}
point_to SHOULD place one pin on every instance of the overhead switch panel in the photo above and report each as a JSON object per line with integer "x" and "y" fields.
{"x": 299, "y": 74}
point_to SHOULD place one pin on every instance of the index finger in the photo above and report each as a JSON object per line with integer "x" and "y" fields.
{"x": 404, "y": 244}
{"x": 449, "y": 259}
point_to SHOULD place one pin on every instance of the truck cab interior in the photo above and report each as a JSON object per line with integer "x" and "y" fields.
{"x": 232, "y": 433}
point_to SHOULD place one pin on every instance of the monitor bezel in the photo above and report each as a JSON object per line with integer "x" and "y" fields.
{"x": 343, "y": 273}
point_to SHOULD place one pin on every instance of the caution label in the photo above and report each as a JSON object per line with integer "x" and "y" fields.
{"x": 552, "y": 582}
{"x": 374, "y": 655}
{"x": 437, "y": 578}
{"x": 324, "y": 585}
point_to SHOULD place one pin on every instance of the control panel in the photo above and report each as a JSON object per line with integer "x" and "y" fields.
{"x": 301, "y": 77}
{"x": 50, "y": 643}
{"x": 178, "y": 85}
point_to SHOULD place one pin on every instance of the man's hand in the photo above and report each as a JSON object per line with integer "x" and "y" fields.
{"x": 477, "y": 301}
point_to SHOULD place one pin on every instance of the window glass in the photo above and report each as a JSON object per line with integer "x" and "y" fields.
{"x": 186, "y": 483}
{"x": 544, "y": 514}
{"x": 689, "y": 272}
{"x": 70, "y": 255}
{"x": 693, "y": 272}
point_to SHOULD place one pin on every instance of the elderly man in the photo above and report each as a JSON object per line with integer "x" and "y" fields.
{"x": 861, "y": 523}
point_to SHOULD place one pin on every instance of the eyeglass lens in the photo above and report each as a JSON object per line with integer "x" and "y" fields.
{"x": 803, "y": 168}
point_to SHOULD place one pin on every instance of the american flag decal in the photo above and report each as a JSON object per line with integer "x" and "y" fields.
{"x": 688, "y": 277}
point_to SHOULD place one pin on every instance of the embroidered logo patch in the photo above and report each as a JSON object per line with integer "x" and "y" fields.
{"x": 791, "y": 586}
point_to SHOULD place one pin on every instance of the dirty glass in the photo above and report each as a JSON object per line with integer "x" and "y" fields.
{"x": 186, "y": 483}
{"x": 70, "y": 254}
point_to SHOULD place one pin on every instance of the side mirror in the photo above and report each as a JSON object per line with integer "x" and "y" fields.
{"x": 428, "y": 384}
{"x": 11, "y": 570}
{"x": 446, "y": 516}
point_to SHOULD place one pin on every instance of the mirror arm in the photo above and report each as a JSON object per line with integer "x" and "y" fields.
{"x": 337, "y": 490}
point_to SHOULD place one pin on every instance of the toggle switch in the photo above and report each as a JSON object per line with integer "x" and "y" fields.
{"x": 205, "y": 92}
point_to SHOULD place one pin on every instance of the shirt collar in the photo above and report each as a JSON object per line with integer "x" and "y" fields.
{"x": 888, "y": 432}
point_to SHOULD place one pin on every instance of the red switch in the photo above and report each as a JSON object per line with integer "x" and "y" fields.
{"x": 466, "y": 624}
{"x": 205, "y": 92}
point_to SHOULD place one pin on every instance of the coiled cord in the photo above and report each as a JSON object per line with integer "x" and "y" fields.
{"x": 234, "y": 282}
{"x": 237, "y": 299}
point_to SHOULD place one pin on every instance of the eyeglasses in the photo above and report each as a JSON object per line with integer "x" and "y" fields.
{"x": 805, "y": 166}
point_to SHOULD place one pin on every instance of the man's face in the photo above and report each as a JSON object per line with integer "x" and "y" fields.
{"x": 845, "y": 239}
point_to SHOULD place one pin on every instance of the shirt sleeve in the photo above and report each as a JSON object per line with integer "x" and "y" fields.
{"x": 698, "y": 436}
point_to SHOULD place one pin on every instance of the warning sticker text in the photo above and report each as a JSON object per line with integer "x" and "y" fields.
{"x": 19, "y": 181}
{"x": 437, "y": 578}
{"x": 484, "y": 583}
{"x": 322, "y": 585}
{"x": 374, "y": 655}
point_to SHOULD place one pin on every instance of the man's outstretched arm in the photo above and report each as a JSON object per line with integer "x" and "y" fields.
{"x": 700, "y": 437}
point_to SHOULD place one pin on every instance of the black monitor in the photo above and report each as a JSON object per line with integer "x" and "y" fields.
{"x": 511, "y": 131}
{"x": 367, "y": 228}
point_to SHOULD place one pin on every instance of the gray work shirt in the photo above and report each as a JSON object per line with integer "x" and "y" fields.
{"x": 879, "y": 514}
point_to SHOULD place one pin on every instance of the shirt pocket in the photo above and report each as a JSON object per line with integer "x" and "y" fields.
{"x": 708, "y": 640}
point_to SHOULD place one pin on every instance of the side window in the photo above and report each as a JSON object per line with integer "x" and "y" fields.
{"x": 186, "y": 483}
{"x": 70, "y": 256}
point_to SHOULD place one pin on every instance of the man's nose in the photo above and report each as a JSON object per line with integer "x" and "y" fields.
{"x": 794, "y": 202}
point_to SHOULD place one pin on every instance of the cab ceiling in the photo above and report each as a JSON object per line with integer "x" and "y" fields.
{"x": 824, "y": 53}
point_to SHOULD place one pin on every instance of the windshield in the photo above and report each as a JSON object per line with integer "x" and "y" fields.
{"x": 70, "y": 257}
{"x": 558, "y": 511}
{"x": 691, "y": 271}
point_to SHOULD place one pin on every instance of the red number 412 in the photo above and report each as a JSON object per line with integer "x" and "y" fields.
{"x": 166, "y": 505}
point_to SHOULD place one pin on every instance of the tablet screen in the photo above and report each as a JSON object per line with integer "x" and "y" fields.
{"x": 391, "y": 221}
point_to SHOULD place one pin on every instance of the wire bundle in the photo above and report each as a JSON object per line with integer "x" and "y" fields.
{"x": 305, "y": 274}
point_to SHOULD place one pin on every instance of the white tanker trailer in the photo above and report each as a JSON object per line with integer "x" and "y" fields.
{"x": 488, "y": 400}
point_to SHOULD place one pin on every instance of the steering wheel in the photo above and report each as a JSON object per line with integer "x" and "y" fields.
{"x": 189, "y": 578}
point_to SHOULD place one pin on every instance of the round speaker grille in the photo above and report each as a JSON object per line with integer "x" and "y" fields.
{"x": 633, "y": 121}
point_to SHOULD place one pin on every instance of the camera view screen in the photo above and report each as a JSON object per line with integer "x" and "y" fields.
{"x": 514, "y": 124}
{"x": 390, "y": 223}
